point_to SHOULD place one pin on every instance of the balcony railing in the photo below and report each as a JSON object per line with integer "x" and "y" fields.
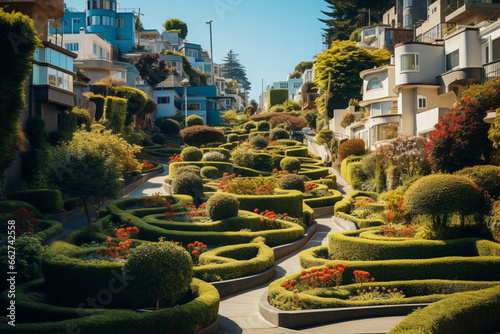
{"x": 491, "y": 70}
{"x": 455, "y": 4}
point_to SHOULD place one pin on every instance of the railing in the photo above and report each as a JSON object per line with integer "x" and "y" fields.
{"x": 491, "y": 70}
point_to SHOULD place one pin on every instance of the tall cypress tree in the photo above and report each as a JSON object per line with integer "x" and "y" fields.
{"x": 232, "y": 68}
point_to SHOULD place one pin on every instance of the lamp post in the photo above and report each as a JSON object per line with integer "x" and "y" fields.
{"x": 185, "y": 83}
{"x": 212, "y": 53}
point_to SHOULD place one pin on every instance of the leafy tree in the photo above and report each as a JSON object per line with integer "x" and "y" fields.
{"x": 325, "y": 137}
{"x": 249, "y": 110}
{"x": 338, "y": 68}
{"x": 345, "y": 16}
{"x": 152, "y": 68}
{"x": 176, "y": 25}
{"x": 20, "y": 43}
{"x": 232, "y": 68}
{"x": 296, "y": 75}
{"x": 460, "y": 138}
{"x": 494, "y": 136}
{"x": 233, "y": 117}
{"x": 303, "y": 66}
{"x": 254, "y": 104}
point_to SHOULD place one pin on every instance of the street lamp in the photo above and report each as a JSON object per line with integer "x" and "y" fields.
{"x": 185, "y": 83}
{"x": 212, "y": 54}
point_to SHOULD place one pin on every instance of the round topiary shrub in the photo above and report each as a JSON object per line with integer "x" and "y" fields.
{"x": 194, "y": 120}
{"x": 290, "y": 164}
{"x": 292, "y": 182}
{"x": 188, "y": 168}
{"x": 222, "y": 206}
{"x": 278, "y": 133}
{"x": 351, "y": 147}
{"x": 201, "y": 135}
{"x": 259, "y": 142}
{"x": 233, "y": 138}
{"x": 487, "y": 178}
{"x": 440, "y": 196}
{"x": 188, "y": 183}
{"x": 262, "y": 162}
{"x": 210, "y": 172}
{"x": 169, "y": 127}
{"x": 264, "y": 126}
{"x": 158, "y": 138}
{"x": 249, "y": 126}
{"x": 191, "y": 154}
{"x": 214, "y": 156}
{"x": 163, "y": 271}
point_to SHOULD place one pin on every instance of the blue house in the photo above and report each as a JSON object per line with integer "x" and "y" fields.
{"x": 101, "y": 17}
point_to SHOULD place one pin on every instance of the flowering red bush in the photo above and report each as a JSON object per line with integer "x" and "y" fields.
{"x": 310, "y": 186}
{"x": 26, "y": 222}
{"x": 193, "y": 211}
{"x": 399, "y": 231}
{"x": 195, "y": 249}
{"x": 146, "y": 165}
{"x": 175, "y": 158}
{"x": 246, "y": 186}
{"x": 318, "y": 278}
{"x": 361, "y": 277}
{"x": 120, "y": 250}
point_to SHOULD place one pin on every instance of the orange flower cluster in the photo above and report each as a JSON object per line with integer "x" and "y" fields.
{"x": 175, "y": 158}
{"x": 126, "y": 233}
{"x": 283, "y": 172}
{"x": 225, "y": 180}
{"x": 146, "y": 165}
{"x": 169, "y": 210}
{"x": 150, "y": 157}
{"x": 195, "y": 249}
{"x": 119, "y": 250}
{"x": 310, "y": 186}
{"x": 361, "y": 277}
{"x": 399, "y": 231}
{"x": 270, "y": 216}
{"x": 322, "y": 278}
{"x": 155, "y": 201}
{"x": 264, "y": 190}
{"x": 193, "y": 211}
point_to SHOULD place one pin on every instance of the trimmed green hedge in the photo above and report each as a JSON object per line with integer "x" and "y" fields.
{"x": 46, "y": 200}
{"x": 297, "y": 152}
{"x": 308, "y": 215}
{"x": 324, "y": 201}
{"x": 343, "y": 209}
{"x": 42, "y": 318}
{"x": 344, "y": 166}
{"x": 277, "y": 96}
{"x": 284, "y": 201}
{"x": 426, "y": 291}
{"x": 462, "y": 313}
{"x": 49, "y": 229}
{"x": 223, "y": 167}
{"x": 288, "y": 142}
{"x": 235, "y": 261}
{"x": 249, "y": 172}
{"x": 314, "y": 173}
{"x": 226, "y": 153}
{"x": 9, "y": 206}
{"x": 480, "y": 268}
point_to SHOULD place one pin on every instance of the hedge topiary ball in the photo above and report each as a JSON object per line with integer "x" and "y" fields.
{"x": 487, "y": 178}
{"x": 194, "y": 120}
{"x": 249, "y": 126}
{"x": 442, "y": 195}
{"x": 292, "y": 182}
{"x": 233, "y": 138}
{"x": 263, "y": 126}
{"x": 169, "y": 127}
{"x": 188, "y": 183}
{"x": 214, "y": 156}
{"x": 189, "y": 168}
{"x": 162, "y": 271}
{"x": 262, "y": 162}
{"x": 222, "y": 206}
{"x": 351, "y": 147}
{"x": 158, "y": 138}
{"x": 278, "y": 133}
{"x": 259, "y": 142}
{"x": 191, "y": 154}
{"x": 209, "y": 172}
{"x": 290, "y": 164}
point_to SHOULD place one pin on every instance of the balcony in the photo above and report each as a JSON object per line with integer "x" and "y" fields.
{"x": 427, "y": 119}
{"x": 491, "y": 70}
{"x": 464, "y": 8}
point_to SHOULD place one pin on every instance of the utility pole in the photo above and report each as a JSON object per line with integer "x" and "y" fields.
{"x": 212, "y": 53}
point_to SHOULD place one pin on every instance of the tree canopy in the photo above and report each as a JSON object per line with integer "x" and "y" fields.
{"x": 152, "y": 68}
{"x": 176, "y": 25}
{"x": 303, "y": 66}
{"x": 342, "y": 64}
{"x": 232, "y": 68}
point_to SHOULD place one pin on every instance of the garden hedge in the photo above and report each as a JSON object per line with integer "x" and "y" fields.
{"x": 226, "y": 153}
{"x": 335, "y": 197}
{"x": 46, "y": 200}
{"x": 462, "y": 313}
{"x": 288, "y": 142}
{"x": 314, "y": 173}
{"x": 42, "y": 318}
{"x": 344, "y": 207}
{"x": 302, "y": 152}
{"x": 49, "y": 229}
{"x": 344, "y": 166}
{"x": 9, "y": 206}
{"x": 277, "y": 96}
{"x": 284, "y": 201}
{"x": 223, "y": 167}
{"x": 235, "y": 261}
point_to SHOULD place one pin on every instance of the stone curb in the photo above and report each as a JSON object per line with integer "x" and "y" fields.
{"x": 323, "y": 211}
{"x": 303, "y": 318}
{"x": 213, "y": 328}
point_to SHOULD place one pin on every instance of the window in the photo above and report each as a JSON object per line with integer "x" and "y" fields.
{"x": 104, "y": 54}
{"x": 120, "y": 23}
{"x": 407, "y": 21}
{"x": 194, "y": 106}
{"x": 383, "y": 132}
{"x": 380, "y": 108}
{"x": 496, "y": 50}
{"x": 163, "y": 99}
{"x": 297, "y": 85}
{"x": 452, "y": 60}
{"x": 374, "y": 83}
{"x": 409, "y": 62}
{"x": 369, "y": 32}
{"x": 97, "y": 50}
{"x": 283, "y": 85}
{"x": 389, "y": 34}
{"x": 434, "y": 10}
{"x": 422, "y": 102}
{"x": 407, "y": 3}
{"x": 228, "y": 104}
{"x": 72, "y": 46}
{"x": 119, "y": 75}
{"x": 208, "y": 68}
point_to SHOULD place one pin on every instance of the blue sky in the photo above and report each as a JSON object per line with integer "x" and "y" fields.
{"x": 271, "y": 37}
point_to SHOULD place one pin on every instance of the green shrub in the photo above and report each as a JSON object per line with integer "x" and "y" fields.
{"x": 344, "y": 166}
{"x": 56, "y": 137}
{"x": 226, "y": 153}
{"x": 82, "y": 117}
{"x": 277, "y": 96}
{"x": 355, "y": 174}
{"x": 201, "y": 135}
{"x": 263, "y": 126}
{"x": 188, "y": 183}
{"x": 194, "y": 120}
{"x": 301, "y": 152}
{"x": 283, "y": 201}
{"x": 45, "y": 200}
{"x": 169, "y": 127}
{"x": 335, "y": 197}
{"x": 72, "y": 203}
{"x": 222, "y": 206}
{"x": 462, "y": 313}
{"x": 223, "y": 167}
{"x": 351, "y": 147}
{"x": 233, "y": 138}
{"x": 188, "y": 168}
{"x": 35, "y": 130}
{"x": 162, "y": 271}
{"x": 191, "y": 154}
{"x": 99, "y": 101}
{"x": 262, "y": 162}
{"x": 159, "y": 139}
{"x": 292, "y": 181}
{"x": 249, "y": 126}
{"x": 259, "y": 142}
{"x": 290, "y": 164}
{"x": 115, "y": 114}
{"x": 136, "y": 100}
{"x": 210, "y": 172}
{"x": 214, "y": 156}
{"x": 443, "y": 195}
{"x": 487, "y": 178}
{"x": 278, "y": 133}
{"x": 29, "y": 252}
{"x": 33, "y": 162}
